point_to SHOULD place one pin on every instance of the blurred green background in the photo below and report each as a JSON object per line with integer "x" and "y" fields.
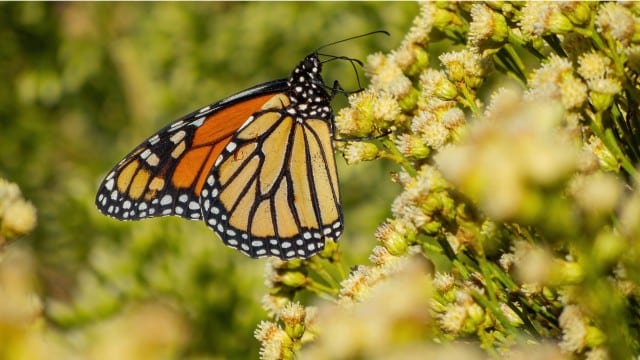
{"x": 84, "y": 83}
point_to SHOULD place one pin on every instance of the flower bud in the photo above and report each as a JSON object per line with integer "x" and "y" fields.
{"x": 359, "y": 151}
{"x": 391, "y": 239}
{"x": 579, "y": 13}
{"x": 412, "y": 146}
{"x": 294, "y": 279}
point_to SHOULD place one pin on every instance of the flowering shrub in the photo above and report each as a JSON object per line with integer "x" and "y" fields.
{"x": 514, "y": 130}
{"x": 519, "y": 222}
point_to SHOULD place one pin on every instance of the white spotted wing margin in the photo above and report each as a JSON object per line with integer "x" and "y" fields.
{"x": 138, "y": 187}
{"x": 274, "y": 189}
{"x": 143, "y": 185}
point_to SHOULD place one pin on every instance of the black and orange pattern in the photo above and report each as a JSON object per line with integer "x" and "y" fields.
{"x": 257, "y": 167}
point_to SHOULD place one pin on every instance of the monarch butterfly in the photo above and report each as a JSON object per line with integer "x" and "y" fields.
{"x": 258, "y": 167}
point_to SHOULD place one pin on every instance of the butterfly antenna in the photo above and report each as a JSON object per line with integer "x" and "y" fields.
{"x": 353, "y": 37}
{"x": 337, "y": 89}
{"x": 353, "y": 63}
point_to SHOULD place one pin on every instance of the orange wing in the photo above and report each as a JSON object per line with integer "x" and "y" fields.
{"x": 258, "y": 167}
{"x": 165, "y": 174}
{"x": 274, "y": 190}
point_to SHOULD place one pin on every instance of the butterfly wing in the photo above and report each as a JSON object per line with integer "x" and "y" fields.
{"x": 274, "y": 189}
{"x": 165, "y": 174}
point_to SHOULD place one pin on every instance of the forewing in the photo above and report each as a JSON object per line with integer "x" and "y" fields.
{"x": 165, "y": 174}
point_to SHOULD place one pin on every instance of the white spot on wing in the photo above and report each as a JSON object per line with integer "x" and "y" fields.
{"x": 198, "y": 122}
{"x": 176, "y": 125}
{"x": 153, "y": 160}
{"x": 166, "y": 200}
{"x": 109, "y": 184}
{"x": 175, "y": 138}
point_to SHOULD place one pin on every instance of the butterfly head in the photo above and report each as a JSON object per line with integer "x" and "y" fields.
{"x": 307, "y": 89}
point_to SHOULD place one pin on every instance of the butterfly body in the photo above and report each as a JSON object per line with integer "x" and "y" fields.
{"x": 257, "y": 167}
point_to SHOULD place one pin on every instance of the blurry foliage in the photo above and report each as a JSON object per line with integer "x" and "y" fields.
{"x": 86, "y": 82}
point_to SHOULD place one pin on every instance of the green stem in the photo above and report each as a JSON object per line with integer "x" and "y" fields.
{"x": 469, "y": 99}
{"x": 504, "y": 67}
{"x": 318, "y": 267}
{"x": 515, "y": 58}
{"x": 396, "y": 156}
{"x": 485, "y": 303}
{"x": 610, "y": 141}
{"x": 322, "y": 290}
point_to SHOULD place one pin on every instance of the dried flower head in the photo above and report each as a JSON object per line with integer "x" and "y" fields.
{"x": 380, "y": 256}
{"x": 17, "y": 216}
{"x": 486, "y": 25}
{"x": 607, "y": 161}
{"x": 274, "y": 341}
{"x": 596, "y": 193}
{"x": 443, "y": 281}
{"x": 432, "y": 132}
{"x": 541, "y": 18}
{"x": 412, "y": 146}
{"x": 386, "y": 75}
{"x": 532, "y": 263}
{"x": 436, "y": 83}
{"x": 617, "y": 21}
{"x": 392, "y": 235}
{"x": 574, "y": 329}
{"x": 555, "y": 81}
{"x": 369, "y": 110}
{"x": 594, "y": 65}
{"x": 419, "y": 32}
{"x": 358, "y": 151}
{"x": 466, "y": 66}
{"x": 452, "y": 320}
{"x": 19, "y": 219}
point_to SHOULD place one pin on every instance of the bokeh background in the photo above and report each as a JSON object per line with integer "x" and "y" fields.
{"x": 83, "y": 83}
